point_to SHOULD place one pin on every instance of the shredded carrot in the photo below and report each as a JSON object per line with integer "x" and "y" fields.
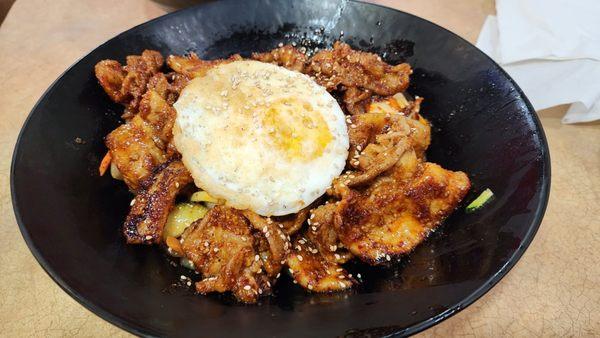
{"x": 175, "y": 245}
{"x": 105, "y": 163}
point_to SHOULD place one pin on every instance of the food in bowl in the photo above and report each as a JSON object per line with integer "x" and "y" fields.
{"x": 281, "y": 163}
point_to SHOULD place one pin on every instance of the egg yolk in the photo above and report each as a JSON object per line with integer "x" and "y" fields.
{"x": 296, "y": 129}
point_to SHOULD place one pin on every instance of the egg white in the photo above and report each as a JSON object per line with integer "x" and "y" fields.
{"x": 260, "y": 137}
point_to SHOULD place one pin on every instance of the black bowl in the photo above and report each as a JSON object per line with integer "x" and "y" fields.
{"x": 483, "y": 124}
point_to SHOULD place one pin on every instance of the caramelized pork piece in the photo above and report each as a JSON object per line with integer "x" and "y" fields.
{"x": 366, "y": 128}
{"x": 313, "y": 271}
{"x": 134, "y": 151}
{"x": 278, "y": 242}
{"x": 351, "y": 68}
{"x": 150, "y": 208}
{"x": 141, "y": 144}
{"x": 321, "y": 232}
{"x": 156, "y": 111}
{"x": 126, "y": 84}
{"x": 168, "y": 86}
{"x": 397, "y": 212}
{"x": 192, "y": 66}
{"x": 286, "y": 56}
{"x": 292, "y": 223}
{"x": 356, "y": 100}
{"x": 224, "y": 248}
{"x": 111, "y": 74}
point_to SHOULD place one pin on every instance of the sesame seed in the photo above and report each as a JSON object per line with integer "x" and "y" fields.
{"x": 256, "y": 258}
{"x": 310, "y": 287}
{"x": 388, "y": 257}
{"x": 295, "y": 282}
{"x": 291, "y": 271}
{"x": 341, "y": 276}
{"x": 183, "y": 277}
{"x": 333, "y": 247}
{"x": 280, "y": 225}
{"x": 148, "y": 237}
{"x": 206, "y": 244}
{"x": 267, "y": 235}
{"x": 353, "y": 126}
{"x": 359, "y": 147}
{"x": 358, "y": 275}
{"x": 216, "y": 249}
{"x": 339, "y": 269}
{"x": 337, "y": 256}
{"x": 268, "y": 284}
{"x": 132, "y": 202}
{"x": 244, "y": 239}
{"x": 224, "y": 93}
{"x": 260, "y": 291}
{"x": 300, "y": 258}
{"x": 314, "y": 228}
{"x": 176, "y": 184}
{"x": 189, "y": 283}
{"x": 280, "y": 45}
{"x": 342, "y": 284}
{"x": 350, "y": 275}
{"x": 278, "y": 274}
{"x": 247, "y": 287}
{"x": 265, "y": 229}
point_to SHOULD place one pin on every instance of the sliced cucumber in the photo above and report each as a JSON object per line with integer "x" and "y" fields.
{"x": 182, "y": 215}
{"x": 480, "y": 201}
{"x": 186, "y": 263}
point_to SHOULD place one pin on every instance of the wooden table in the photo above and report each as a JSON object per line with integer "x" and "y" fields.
{"x": 553, "y": 291}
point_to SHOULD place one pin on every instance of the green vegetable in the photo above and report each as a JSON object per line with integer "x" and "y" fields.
{"x": 182, "y": 215}
{"x": 186, "y": 263}
{"x": 480, "y": 201}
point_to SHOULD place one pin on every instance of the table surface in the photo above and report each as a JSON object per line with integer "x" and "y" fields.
{"x": 554, "y": 290}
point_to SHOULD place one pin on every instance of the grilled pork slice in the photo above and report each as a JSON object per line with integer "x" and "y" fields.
{"x": 313, "y": 270}
{"x": 126, "y": 84}
{"x": 192, "y": 66}
{"x": 394, "y": 214}
{"x": 152, "y": 205}
{"x": 232, "y": 255}
{"x": 345, "y": 66}
{"x": 285, "y": 56}
{"x": 141, "y": 144}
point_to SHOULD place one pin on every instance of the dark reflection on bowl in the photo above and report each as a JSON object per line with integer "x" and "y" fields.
{"x": 482, "y": 123}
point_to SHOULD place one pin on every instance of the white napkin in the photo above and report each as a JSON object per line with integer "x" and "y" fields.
{"x": 552, "y": 50}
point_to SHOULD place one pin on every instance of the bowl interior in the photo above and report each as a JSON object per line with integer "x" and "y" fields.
{"x": 483, "y": 125}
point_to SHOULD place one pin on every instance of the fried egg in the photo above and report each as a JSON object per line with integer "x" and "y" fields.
{"x": 260, "y": 137}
